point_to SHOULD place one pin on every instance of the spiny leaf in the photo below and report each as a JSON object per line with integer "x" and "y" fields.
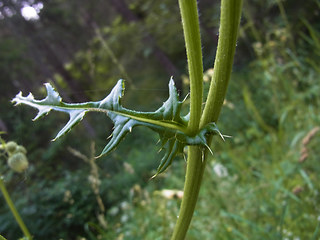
{"x": 172, "y": 148}
{"x": 122, "y": 126}
{"x": 166, "y": 121}
{"x": 75, "y": 117}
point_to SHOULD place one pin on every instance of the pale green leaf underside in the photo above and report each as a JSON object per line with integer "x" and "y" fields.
{"x": 166, "y": 121}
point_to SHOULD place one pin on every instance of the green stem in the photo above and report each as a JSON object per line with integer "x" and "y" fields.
{"x": 229, "y": 24}
{"x": 14, "y": 210}
{"x": 195, "y": 169}
{"x": 195, "y": 166}
{"x": 191, "y": 29}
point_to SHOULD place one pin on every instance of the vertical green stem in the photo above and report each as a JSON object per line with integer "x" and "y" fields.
{"x": 229, "y": 23}
{"x": 191, "y": 29}
{"x": 14, "y": 210}
{"x": 195, "y": 166}
{"x": 195, "y": 169}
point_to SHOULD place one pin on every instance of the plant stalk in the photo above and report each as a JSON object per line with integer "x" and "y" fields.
{"x": 14, "y": 210}
{"x": 229, "y": 24}
{"x": 195, "y": 166}
{"x": 191, "y": 30}
{"x": 195, "y": 169}
{"x": 228, "y": 31}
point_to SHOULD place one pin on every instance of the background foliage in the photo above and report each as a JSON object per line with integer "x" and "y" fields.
{"x": 260, "y": 184}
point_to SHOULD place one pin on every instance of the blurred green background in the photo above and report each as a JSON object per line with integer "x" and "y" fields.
{"x": 263, "y": 183}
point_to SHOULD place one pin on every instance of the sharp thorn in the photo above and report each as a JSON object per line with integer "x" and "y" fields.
{"x": 207, "y": 146}
{"x": 227, "y": 136}
{"x": 184, "y": 157}
{"x": 109, "y": 136}
{"x": 186, "y": 97}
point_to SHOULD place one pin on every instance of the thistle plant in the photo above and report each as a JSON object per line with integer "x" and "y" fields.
{"x": 176, "y": 131}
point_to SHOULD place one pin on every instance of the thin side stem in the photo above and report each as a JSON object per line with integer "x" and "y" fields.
{"x": 14, "y": 210}
{"x": 191, "y": 29}
{"x": 229, "y": 24}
